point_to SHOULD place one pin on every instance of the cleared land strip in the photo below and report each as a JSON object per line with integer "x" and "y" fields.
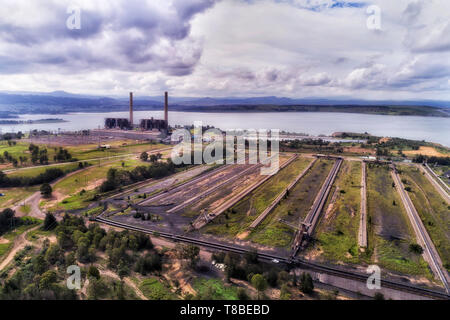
{"x": 214, "y": 188}
{"x": 203, "y": 220}
{"x": 362, "y": 234}
{"x": 308, "y": 225}
{"x": 435, "y": 183}
{"x": 179, "y": 187}
{"x": 430, "y": 253}
{"x": 261, "y": 217}
{"x": 217, "y": 186}
{"x": 313, "y": 216}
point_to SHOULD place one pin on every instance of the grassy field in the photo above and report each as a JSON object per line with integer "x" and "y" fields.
{"x": 70, "y": 188}
{"x": 428, "y": 151}
{"x": 32, "y": 172}
{"x": 13, "y": 196}
{"x": 214, "y": 289}
{"x": 154, "y": 289}
{"x": 248, "y": 209}
{"x": 389, "y": 230}
{"x": 271, "y": 231}
{"x": 81, "y": 152}
{"x": 337, "y": 232}
{"x": 433, "y": 210}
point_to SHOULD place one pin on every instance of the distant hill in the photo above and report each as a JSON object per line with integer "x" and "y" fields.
{"x": 57, "y": 102}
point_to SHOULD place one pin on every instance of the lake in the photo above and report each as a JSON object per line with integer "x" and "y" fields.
{"x": 431, "y": 129}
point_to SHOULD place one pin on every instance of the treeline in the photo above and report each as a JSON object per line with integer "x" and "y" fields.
{"x": 48, "y": 176}
{"x": 8, "y": 221}
{"x": 44, "y": 275}
{"x": 443, "y": 161}
{"x": 119, "y": 178}
{"x": 248, "y": 268}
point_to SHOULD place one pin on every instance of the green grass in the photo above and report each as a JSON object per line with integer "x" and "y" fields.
{"x": 38, "y": 233}
{"x": 15, "y": 195}
{"x": 214, "y": 289}
{"x": 33, "y": 172}
{"x": 70, "y": 187}
{"x": 81, "y": 152}
{"x": 154, "y": 289}
{"x": 248, "y": 209}
{"x": 338, "y": 234}
{"x": 271, "y": 231}
{"x": 26, "y": 208}
{"x": 432, "y": 208}
{"x": 389, "y": 229}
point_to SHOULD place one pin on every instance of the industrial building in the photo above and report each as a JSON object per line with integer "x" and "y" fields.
{"x": 151, "y": 124}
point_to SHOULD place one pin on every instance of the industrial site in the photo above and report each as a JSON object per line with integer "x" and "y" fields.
{"x": 332, "y": 209}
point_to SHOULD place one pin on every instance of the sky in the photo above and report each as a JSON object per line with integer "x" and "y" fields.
{"x": 374, "y": 50}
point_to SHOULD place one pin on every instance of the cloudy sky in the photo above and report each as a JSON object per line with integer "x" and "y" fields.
{"x": 292, "y": 48}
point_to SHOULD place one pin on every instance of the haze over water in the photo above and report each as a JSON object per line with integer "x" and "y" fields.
{"x": 430, "y": 129}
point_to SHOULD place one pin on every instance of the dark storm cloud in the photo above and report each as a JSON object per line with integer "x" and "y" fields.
{"x": 132, "y": 35}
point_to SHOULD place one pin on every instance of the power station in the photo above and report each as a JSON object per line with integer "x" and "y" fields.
{"x": 151, "y": 124}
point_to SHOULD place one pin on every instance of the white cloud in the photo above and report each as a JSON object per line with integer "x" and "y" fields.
{"x": 293, "y": 48}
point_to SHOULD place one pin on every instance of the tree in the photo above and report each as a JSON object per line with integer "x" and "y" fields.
{"x": 153, "y": 158}
{"x": 53, "y": 254}
{"x": 191, "y": 252}
{"x": 93, "y": 272}
{"x": 46, "y": 190}
{"x": 416, "y": 248}
{"x": 144, "y": 156}
{"x": 48, "y": 279}
{"x": 49, "y": 222}
{"x": 6, "y": 220}
{"x": 260, "y": 283}
{"x": 306, "y": 283}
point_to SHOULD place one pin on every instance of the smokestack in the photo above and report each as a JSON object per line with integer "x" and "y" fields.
{"x": 131, "y": 108}
{"x": 166, "y": 108}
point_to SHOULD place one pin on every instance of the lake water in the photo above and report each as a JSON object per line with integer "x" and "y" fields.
{"x": 431, "y": 129}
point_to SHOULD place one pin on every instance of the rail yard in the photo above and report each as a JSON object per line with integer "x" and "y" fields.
{"x": 218, "y": 207}
{"x": 332, "y": 215}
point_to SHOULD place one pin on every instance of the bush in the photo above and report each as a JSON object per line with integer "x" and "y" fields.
{"x": 415, "y": 248}
{"x": 46, "y": 190}
{"x": 306, "y": 283}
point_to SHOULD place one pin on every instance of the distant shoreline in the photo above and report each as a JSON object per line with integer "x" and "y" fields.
{"x": 39, "y": 121}
{"x": 389, "y": 110}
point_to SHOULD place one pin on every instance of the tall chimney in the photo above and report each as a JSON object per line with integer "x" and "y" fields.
{"x": 166, "y": 108}
{"x": 131, "y": 108}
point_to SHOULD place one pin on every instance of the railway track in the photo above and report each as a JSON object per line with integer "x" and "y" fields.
{"x": 293, "y": 262}
{"x": 306, "y": 227}
{"x": 430, "y": 252}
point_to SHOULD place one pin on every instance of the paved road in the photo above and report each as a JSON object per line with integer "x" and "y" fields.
{"x": 362, "y": 234}
{"x": 435, "y": 183}
{"x": 430, "y": 253}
